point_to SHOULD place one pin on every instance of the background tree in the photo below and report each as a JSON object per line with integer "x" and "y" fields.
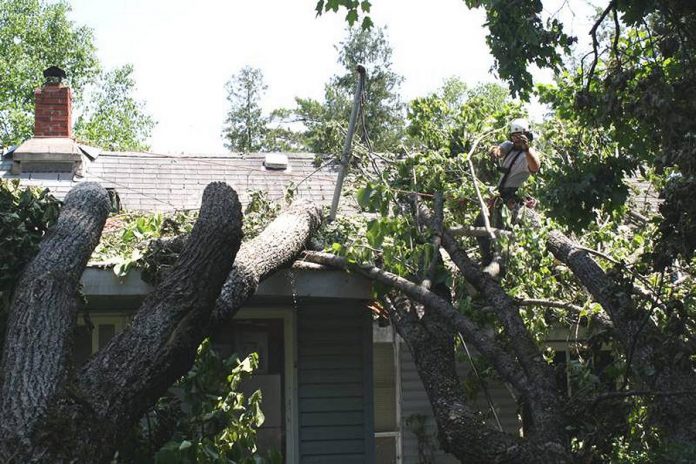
{"x": 245, "y": 127}
{"x": 35, "y": 34}
{"x": 325, "y": 122}
{"x": 112, "y": 118}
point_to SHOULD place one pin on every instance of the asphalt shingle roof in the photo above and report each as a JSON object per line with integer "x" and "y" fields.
{"x": 152, "y": 182}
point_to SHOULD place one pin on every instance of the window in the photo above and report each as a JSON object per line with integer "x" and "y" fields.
{"x": 94, "y": 333}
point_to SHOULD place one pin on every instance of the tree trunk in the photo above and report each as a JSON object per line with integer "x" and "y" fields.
{"x": 82, "y": 419}
{"x": 38, "y": 341}
{"x": 51, "y": 414}
{"x": 277, "y": 246}
{"x": 461, "y": 431}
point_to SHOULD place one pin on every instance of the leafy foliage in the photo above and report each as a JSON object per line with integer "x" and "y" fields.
{"x": 112, "y": 118}
{"x": 26, "y": 213}
{"x": 452, "y": 118}
{"x": 353, "y": 10}
{"x": 126, "y": 237}
{"x": 518, "y": 38}
{"x": 581, "y": 188}
{"x": 35, "y": 34}
{"x": 204, "y": 418}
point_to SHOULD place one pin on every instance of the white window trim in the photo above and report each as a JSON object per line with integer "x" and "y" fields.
{"x": 118, "y": 319}
{"x": 290, "y": 372}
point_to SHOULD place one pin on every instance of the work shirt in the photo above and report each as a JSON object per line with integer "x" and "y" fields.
{"x": 516, "y": 162}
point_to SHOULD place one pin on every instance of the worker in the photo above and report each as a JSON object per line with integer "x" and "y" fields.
{"x": 516, "y": 160}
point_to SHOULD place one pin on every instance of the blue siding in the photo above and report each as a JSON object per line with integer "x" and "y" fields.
{"x": 335, "y": 384}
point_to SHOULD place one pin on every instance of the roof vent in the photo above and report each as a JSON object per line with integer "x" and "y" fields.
{"x": 276, "y": 161}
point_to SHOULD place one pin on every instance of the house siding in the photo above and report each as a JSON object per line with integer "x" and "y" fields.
{"x": 335, "y": 383}
{"x": 414, "y": 400}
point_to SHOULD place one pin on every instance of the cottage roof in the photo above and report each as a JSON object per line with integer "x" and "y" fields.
{"x": 156, "y": 182}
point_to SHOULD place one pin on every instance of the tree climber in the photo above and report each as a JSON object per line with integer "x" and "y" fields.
{"x": 516, "y": 160}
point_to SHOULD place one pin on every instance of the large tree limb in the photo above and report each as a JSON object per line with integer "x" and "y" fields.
{"x": 88, "y": 420}
{"x": 43, "y": 314}
{"x": 277, "y": 246}
{"x": 431, "y": 343}
{"x": 653, "y": 358}
{"x": 544, "y": 397}
{"x": 505, "y": 364}
{"x": 461, "y": 431}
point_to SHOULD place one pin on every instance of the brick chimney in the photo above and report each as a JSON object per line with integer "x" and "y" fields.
{"x": 53, "y": 106}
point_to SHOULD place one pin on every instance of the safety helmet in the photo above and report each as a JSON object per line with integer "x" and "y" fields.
{"x": 519, "y": 125}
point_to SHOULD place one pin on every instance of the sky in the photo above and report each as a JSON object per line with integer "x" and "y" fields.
{"x": 184, "y": 51}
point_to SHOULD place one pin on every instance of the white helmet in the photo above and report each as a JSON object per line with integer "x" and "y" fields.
{"x": 519, "y": 125}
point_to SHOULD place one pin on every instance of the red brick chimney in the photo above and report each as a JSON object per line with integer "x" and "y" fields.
{"x": 53, "y": 106}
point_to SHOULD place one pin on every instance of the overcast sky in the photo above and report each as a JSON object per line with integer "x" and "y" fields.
{"x": 184, "y": 51}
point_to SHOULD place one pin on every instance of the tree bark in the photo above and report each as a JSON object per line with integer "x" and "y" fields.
{"x": 38, "y": 342}
{"x": 277, "y": 246}
{"x": 654, "y": 358}
{"x": 461, "y": 431}
{"x": 83, "y": 419}
{"x": 547, "y": 418}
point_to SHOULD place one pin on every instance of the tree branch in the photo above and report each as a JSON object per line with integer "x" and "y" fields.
{"x": 546, "y": 399}
{"x": 277, "y": 246}
{"x": 437, "y": 239}
{"x": 137, "y": 366}
{"x": 505, "y": 364}
{"x": 595, "y": 42}
{"x": 430, "y": 340}
{"x": 641, "y": 340}
{"x": 601, "y": 318}
{"x": 476, "y": 232}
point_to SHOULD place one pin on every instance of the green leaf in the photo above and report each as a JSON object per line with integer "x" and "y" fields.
{"x": 363, "y": 196}
{"x": 352, "y": 17}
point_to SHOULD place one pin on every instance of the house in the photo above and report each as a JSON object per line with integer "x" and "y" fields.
{"x": 337, "y": 388}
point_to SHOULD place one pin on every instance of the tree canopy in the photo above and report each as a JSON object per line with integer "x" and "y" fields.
{"x": 619, "y": 113}
{"x": 36, "y": 34}
{"x": 325, "y": 122}
{"x": 112, "y": 118}
{"x": 245, "y": 126}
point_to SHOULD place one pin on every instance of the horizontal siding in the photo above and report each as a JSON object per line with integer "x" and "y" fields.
{"x": 414, "y": 400}
{"x": 334, "y": 402}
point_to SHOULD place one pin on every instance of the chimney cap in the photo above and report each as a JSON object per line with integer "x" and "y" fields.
{"x": 54, "y": 74}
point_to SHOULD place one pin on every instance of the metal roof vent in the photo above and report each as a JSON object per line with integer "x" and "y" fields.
{"x": 276, "y": 161}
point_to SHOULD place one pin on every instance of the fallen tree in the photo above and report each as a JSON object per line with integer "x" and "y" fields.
{"x": 52, "y": 413}
{"x": 429, "y": 323}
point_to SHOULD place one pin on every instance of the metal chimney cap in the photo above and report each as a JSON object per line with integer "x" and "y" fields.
{"x": 54, "y": 74}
